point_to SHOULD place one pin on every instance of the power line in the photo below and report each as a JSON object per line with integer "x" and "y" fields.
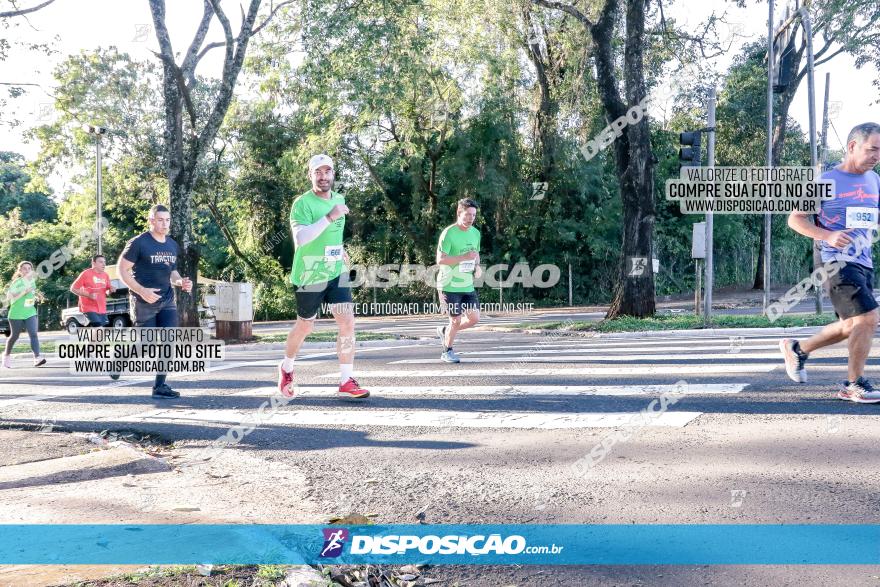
{"x": 837, "y": 135}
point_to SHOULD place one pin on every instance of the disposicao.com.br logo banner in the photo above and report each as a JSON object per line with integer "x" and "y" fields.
{"x": 608, "y": 544}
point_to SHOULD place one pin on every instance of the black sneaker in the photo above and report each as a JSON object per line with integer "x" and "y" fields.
{"x": 164, "y": 391}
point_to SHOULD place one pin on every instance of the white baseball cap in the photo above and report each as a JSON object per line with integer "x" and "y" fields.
{"x": 320, "y": 160}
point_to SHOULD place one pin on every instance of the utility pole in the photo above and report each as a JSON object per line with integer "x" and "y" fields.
{"x": 98, "y": 131}
{"x": 768, "y": 217}
{"x": 823, "y": 154}
{"x": 710, "y": 266}
{"x": 811, "y": 101}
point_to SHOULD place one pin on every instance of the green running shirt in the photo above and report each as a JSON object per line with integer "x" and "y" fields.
{"x": 453, "y": 242}
{"x": 321, "y": 259}
{"x": 22, "y": 308}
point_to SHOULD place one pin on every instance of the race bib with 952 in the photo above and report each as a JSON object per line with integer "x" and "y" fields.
{"x": 858, "y": 217}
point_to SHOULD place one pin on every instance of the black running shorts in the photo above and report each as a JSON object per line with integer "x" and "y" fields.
{"x": 458, "y": 302}
{"x": 310, "y": 297}
{"x": 852, "y": 291}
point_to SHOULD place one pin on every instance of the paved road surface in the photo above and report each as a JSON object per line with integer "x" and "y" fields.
{"x": 495, "y": 439}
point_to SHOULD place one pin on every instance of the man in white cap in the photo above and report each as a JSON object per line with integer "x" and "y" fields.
{"x": 317, "y": 220}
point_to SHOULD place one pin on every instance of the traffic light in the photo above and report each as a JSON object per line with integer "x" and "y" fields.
{"x": 689, "y": 153}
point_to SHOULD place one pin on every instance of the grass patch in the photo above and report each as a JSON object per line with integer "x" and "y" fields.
{"x": 25, "y": 347}
{"x": 327, "y": 336}
{"x": 271, "y": 572}
{"x": 683, "y": 322}
{"x": 175, "y": 576}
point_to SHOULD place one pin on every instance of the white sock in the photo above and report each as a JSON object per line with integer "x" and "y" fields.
{"x": 287, "y": 364}
{"x": 346, "y": 372}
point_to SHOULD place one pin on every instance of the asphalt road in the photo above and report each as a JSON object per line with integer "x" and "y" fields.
{"x": 495, "y": 438}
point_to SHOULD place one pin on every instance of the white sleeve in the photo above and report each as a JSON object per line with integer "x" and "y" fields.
{"x": 304, "y": 234}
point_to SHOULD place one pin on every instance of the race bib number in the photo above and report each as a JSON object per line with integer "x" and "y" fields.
{"x": 861, "y": 217}
{"x": 466, "y": 266}
{"x": 333, "y": 253}
{"x": 29, "y": 303}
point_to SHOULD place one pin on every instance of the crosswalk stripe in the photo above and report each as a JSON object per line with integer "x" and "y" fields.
{"x": 546, "y": 351}
{"x": 431, "y": 419}
{"x": 631, "y": 371}
{"x": 584, "y": 342}
{"x": 469, "y": 358}
{"x": 542, "y": 341}
{"x": 224, "y": 366}
{"x": 512, "y": 390}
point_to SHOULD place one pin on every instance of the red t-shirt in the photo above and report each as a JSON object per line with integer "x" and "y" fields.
{"x": 95, "y": 283}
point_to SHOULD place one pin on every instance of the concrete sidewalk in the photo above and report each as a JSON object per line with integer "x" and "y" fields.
{"x": 77, "y": 478}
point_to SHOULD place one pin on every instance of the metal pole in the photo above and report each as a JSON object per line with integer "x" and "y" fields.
{"x": 570, "y": 298}
{"x": 697, "y": 289}
{"x": 811, "y": 100}
{"x": 100, "y": 202}
{"x": 767, "y": 217}
{"x": 811, "y": 84}
{"x": 823, "y": 153}
{"x": 710, "y": 266}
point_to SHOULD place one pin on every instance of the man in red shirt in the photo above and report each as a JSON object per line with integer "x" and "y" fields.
{"x": 92, "y": 287}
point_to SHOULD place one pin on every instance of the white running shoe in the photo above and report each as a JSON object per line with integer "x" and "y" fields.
{"x": 795, "y": 360}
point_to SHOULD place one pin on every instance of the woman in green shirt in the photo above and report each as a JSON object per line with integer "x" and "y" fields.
{"x": 21, "y": 298}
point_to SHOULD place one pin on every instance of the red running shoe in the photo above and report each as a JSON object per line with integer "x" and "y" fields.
{"x": 351, "y": 389}
{"x": 285, "y": 382}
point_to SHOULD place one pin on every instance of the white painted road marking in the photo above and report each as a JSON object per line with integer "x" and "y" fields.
{"x": 630, "y": 371}
{"x": 468, "y": 358}
{"x": 542, "y": 349}
{"x": 575, "y": 390}
{"x": 434, "y": 419}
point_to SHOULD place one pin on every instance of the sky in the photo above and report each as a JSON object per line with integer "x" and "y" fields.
{"x": 127, "y": 24}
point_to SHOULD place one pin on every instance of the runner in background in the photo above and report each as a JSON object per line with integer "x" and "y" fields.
{"x": 458, "y": 254}
{"x": 21, "y": 296}
{"x": 148, "y": 266}
{"x": 92, "y": 287}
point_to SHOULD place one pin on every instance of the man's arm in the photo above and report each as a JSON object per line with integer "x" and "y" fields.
{"x": 444, "y": 259}
{"x": 801, "y": 224}
{"x": 306, "y": 233}
{"x": 83, "y": 293}
{"x": 183, "y": 283}
{"x": 78, "y": 290}
{"x": 147, "y": 294}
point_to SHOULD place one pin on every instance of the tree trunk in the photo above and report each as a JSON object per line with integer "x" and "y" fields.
{"x": 634, "y": 292}
{"x": 188, "y": 260}
{"x": 759, "y": 269}
{"x": 184, "y": 152}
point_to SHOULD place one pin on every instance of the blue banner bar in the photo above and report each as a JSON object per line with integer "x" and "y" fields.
{"x": 695, "y": 544}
